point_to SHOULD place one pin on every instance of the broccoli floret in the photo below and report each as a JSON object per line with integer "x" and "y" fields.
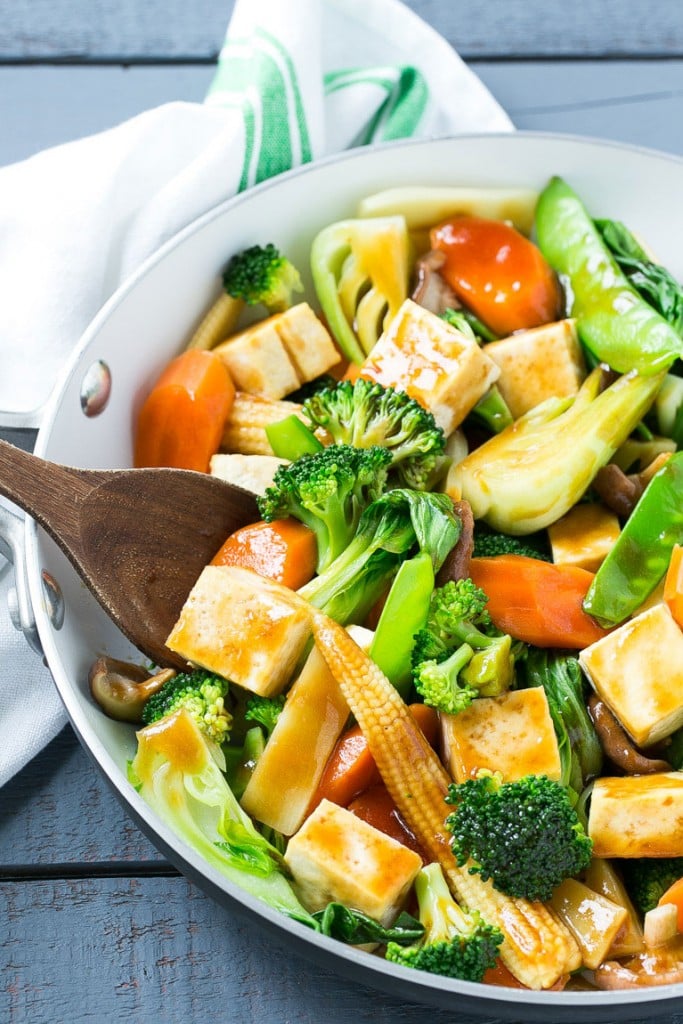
{"x": 311, "y": 387}
{"x": 459, "y": 655}
{"x": 524, "y": 835}
{"x": 202, "y": 694}
{"x": 265, "y": 711}
{"x": 489, "y": 543}
{"x": 364, "y": 413}
{"x": 456, "y": 943}
{"x": 388, "y": 530}
{"x": 438, "y": 684}
{"x": 261, "y": 274}
{"x": 328, "y": 492}
{"x": 647, "y": 879}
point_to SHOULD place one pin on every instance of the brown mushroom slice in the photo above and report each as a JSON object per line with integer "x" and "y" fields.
{"x": 457, "y": 562}
{"x": 431, "y": 290}
{"x": 617, "y": 744}
{"x": 121, "y": 689}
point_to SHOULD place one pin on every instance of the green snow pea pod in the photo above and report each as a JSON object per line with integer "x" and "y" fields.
{"x": 404, "y": 613}
{"x": 290, "y": 439}
{"x": 641, "y": 555}
{"x": 613, "y": 321}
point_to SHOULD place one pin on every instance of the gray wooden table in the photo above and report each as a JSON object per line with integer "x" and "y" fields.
{"x": 94, "y": 924}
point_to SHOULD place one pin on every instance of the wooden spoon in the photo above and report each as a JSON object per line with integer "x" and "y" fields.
{"x": 138, "y": 538}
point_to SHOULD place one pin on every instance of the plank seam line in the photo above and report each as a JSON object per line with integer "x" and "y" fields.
{"x": 180, "y": 60}
{"x": 605, "y": 101}
{"x": 84, "y": 872}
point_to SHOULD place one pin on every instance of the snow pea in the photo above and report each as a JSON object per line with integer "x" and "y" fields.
{"x": 404, "y": 613}
{"x": 641, "y": 555}
{"x": 614, "y": 322}
{"x": 290, "y": 439}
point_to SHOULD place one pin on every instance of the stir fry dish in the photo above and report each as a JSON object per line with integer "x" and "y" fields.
{"x": 433, "y": 704}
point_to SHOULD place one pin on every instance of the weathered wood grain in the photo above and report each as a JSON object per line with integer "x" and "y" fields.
{"x": 639, "y": 102}
{"x": 59, "y": 810}
{"x": 173, "y": 29}
{"x": 135, "y": 951}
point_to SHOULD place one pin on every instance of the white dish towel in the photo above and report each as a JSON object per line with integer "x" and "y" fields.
{"x": 76, "y": 220}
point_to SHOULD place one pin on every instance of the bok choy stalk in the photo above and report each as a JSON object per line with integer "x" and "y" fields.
{"x": 534, "y": 471}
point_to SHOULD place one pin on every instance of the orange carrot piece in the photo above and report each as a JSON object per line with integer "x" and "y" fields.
{"x": 182, "y": 419}
{"x": 352, "y": 372}
{"x": 351, "y": 768}
{"x": 284, "y": 550}
{"x": 674, "y": 894}
{"x": 499, "y": 975}
{"x": 375, "y": 805}
{"x": 673, "y": 585}
{"x": 536, "y": 601}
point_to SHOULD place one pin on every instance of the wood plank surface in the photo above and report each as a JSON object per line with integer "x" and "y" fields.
{"x": 60, "y": 810}
{"x": 631, "y": 101}
{"x": 172, "y": 29}
{"x": 156, "y": 950}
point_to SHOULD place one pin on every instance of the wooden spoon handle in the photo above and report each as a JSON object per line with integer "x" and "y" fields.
{"x": 51, "y": 494}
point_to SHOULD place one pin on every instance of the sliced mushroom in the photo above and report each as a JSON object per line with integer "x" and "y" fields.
{"x": 457, "y": 562}
{"x": 621, "y": 492}
{"x": 431, "y": 290}
{"x": 617, "y": 745}
{"x": 121, "y": 689}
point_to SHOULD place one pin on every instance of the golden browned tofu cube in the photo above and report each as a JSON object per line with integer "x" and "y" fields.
{"x": 537, "y": 364}
{"x": 637, "y": 816}
{"x": 254, "y": 473}
{"x": 336, "y": 856}
{"x": 638, "y": 671}
{"x": 288, "y": 771}
{"x": 434, "y": 363}
{"x": 584, "y": 536}
{"x": 259, "y": 362}
{"x": 512, "y": 734}
{"x": 243, "y": 627}
{"x": 307, "y": 341}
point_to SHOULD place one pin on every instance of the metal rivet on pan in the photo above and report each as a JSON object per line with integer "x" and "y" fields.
{"x": 96, "y": 388}
{"x": 54, "y": 602}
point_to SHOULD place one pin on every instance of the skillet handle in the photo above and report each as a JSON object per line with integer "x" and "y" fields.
{"x": 15, "y": 427}
{"x": 12, "y": 547}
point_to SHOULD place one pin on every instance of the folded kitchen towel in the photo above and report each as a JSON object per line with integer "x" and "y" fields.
{"x": 76, "y": 220}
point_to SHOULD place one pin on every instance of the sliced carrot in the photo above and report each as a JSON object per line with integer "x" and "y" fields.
{"x": 674, "y": 894}
{"x": 499, "y": 975}
{"x": 182, "y": 419}
{"x": 351, "y": 768}
{"x": 376, "y": 806}
{"x": 284, "y": 550}
{"x": 536, "y": 601}
{"x": 673, "y": 585}
{"x": 352, "y": 372}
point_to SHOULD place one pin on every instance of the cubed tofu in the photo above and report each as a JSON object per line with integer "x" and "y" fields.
{"x": 638, "y": 671}
{"x": 308, "y": 342}
{"x": 288, "y": 771}
{"x": 512, "y": 734}
{"x": 337, "y": 857}
{"x": 593, "y": 920}
{"x": 441, "y": 368}
{"x": 243, "y": 627}
{"x": 252, "y": 472}
{"x": 637, "y": 816}
{"x": 584, "y": 536}
{"x": 537, "y": 364}
{"x": 259, "y": 362}
{"x": 276, "y": 356}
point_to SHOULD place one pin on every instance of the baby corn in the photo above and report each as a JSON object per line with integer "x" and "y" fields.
{"x": 537, "y": 947}
{"x": 245, "y": 429}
